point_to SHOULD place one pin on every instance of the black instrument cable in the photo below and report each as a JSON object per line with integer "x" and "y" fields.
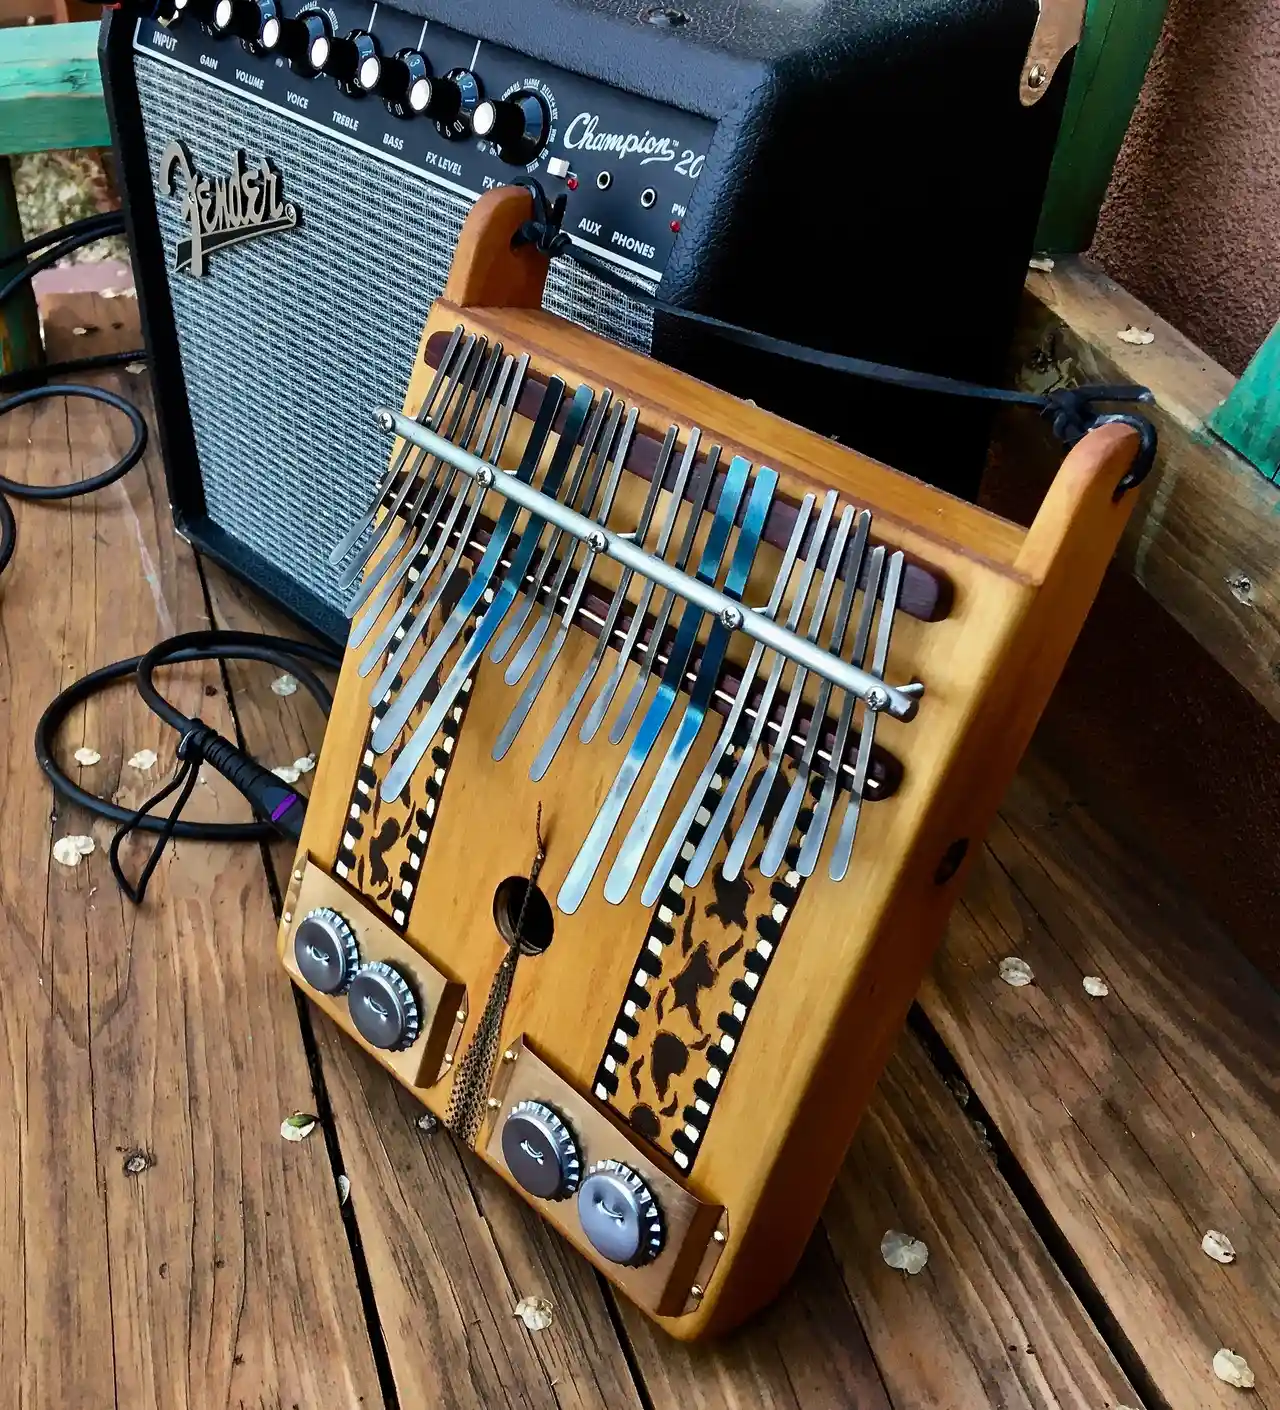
{"x": 279, "y": 807}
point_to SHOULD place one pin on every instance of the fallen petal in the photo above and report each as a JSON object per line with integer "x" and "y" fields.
{"x": 1015, "y": 971}
{"x": 144, "y": 759}
{"x": 1220, "y": 1248}
{"x": 87, "y": 756}
{"x": 1096, "y": 987}
{"x": 69, "y": 850}
{"x": 1233, "y": 1369}
{"x": 284, "y": 685}
{"x": 1041, "y": 262}
{"x": 305, "y": 764}
{"x": 535, "y": 1312}
{"x": 286, "y": 772}
{"x": 298, "y": 1126}
{"x": 344, "y": 1189}
{"x": 1136, "y": 337}
{"x": 900, "y": 1250}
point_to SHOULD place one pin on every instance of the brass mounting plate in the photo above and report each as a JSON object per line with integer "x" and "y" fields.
{"x": 1057, "y": 32}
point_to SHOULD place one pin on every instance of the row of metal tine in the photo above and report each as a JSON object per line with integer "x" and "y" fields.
{"x": 424, "y": 521}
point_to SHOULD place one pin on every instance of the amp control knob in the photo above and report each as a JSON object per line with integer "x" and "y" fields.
{"x": 257, "y": 22}
{"x": 540, "y": 1151}
{"x": 325, "y": 950}
{"x": 355, "y": 62}
{"x": 383, "y": 1007}
{"x": 451, "y": 100}
{"x": 201, "y": 10}
{"x": 517, "y": 125}
{"x": 405, "y": 84}
{"x": 305, "y": 40}
{"x": 619, "y": 1215}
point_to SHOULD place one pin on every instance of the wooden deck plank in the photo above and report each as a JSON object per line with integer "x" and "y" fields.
{"x": 1144, "y": 1118}
{"x": 990, "y": 1320}
{"x": 208, "y": 1277}
{"x": 450, "y": 1251}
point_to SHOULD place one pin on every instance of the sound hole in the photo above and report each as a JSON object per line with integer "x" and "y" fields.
{"x": 539, "y": 924}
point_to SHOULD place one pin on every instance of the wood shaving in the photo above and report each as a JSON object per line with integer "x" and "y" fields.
{"x": 69, "y": 850}
{"x": 287, "y": 772}
{"x": 79, "y": 332}
{"x": 900, "y": 1250}
{"x": 536, "y": 1313}
{"x": 135, "y": 367}
{"x": 1136, "y": 337}
{"x": 144, "y": 759}
{"x": 1220, "y": 1248}
{"x": 298, "y": 1126}
{"x": 1015, "y": 971}
{"x": 284, "y": 685}
{"x": 344, "y": 1189}
{"x": 305, "y": 764}
{"x": 1096, "y": 987}
{"x": 1044, "y": 263}
{"x": 87, "y": 756}
{"x": 1233, "y": 1369}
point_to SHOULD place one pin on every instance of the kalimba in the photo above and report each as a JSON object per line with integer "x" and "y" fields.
{"x": 664, "y": 731}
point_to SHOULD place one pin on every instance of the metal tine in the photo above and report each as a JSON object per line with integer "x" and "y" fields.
{"x": 699, "y": 502}
{"x": 776, "y": 845}
{"x": 487, "y": 395}
{"x": 595, "y": 716}
{"x": 544, "y": 756}
{"x": 817, "y": 830}
{"x": 670, "y": 853}
{"x": 519, "y": 663}
{"x": 419, "y": 623}
{"x": 462, "y": 381}
{"x": 517, "y": 717}
{"x": 352, "y": 535}
{"x": 701, "y": 859}
{"x": 520, "y": 616}
{"x": 575, "y": 884}
{"x": 421, "y": 484}
{"x": 469, "y": 657}
{"x": 843, "y": 850}
{"x": 411, "y": 693}
{"x": 627, "y": 863}
{"x": 760, "y": 798}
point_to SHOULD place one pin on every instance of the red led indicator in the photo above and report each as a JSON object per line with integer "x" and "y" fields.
{"x": 572, "y": 183}
{"x": 675, "y": 227}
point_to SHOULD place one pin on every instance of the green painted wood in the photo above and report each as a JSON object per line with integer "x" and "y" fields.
{"x": 1106, "y": 78}
{"x": 51, "y": 89}
{"x": 1249, "y": 419}
{"x": 20, "y": 345}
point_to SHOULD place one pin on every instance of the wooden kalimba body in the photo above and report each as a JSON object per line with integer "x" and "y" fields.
{"x": 662, "y": 737}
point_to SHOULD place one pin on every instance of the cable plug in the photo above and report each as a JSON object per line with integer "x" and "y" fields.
{"x": 269, "y": 796}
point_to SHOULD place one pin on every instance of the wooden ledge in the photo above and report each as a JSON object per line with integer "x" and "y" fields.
{"x": 1202, "y": 540}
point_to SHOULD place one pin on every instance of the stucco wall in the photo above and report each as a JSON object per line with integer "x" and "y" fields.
{"x": 1191, "y": 224}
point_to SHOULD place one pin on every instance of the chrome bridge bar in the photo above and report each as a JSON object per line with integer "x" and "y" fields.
{"x": 902, "y": 703}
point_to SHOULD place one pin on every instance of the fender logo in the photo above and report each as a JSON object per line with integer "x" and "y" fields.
{"x": 223, "y": 210}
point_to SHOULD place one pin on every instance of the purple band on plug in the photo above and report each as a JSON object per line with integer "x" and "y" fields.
{"x": 282, "y": 808}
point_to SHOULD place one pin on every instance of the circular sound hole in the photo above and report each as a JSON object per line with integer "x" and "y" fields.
{"x": 539, "y": 924}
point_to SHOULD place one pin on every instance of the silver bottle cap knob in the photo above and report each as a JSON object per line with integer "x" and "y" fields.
{"x": 540, "y": 1151}
{"x": 325, "y": 950}
{"x": 619, "y": 1215}
{"x": 383, "y": 1007}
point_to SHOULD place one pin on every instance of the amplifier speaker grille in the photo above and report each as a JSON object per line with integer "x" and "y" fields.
{"x": 290, "y": 340}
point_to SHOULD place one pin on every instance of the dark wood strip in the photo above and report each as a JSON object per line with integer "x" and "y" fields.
{"x": 926, "y": 592}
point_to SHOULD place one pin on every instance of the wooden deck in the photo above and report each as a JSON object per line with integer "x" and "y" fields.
{"x": 161, "y": 1245}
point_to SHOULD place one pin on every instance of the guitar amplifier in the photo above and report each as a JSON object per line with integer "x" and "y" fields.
{"x": 861, "y": 176}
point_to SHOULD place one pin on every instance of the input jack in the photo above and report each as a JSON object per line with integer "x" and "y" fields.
{"x": 604, "y": 181}
{"x": 648, "y": 198}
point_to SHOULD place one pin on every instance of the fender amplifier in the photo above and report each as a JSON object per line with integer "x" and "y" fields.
{"x": 861, "y": 176}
